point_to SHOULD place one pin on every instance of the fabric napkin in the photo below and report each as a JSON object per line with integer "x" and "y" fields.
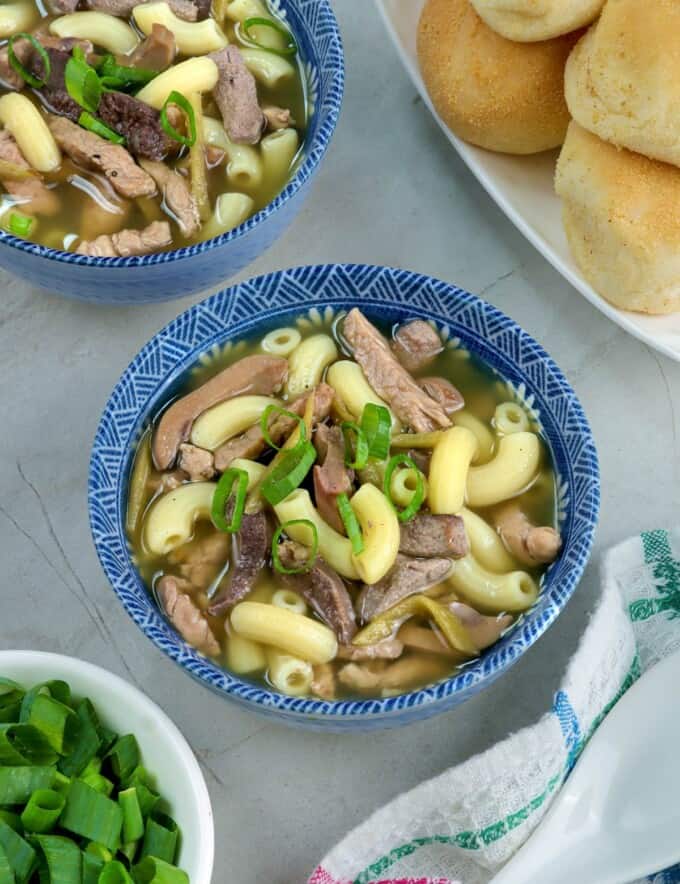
{"x": 460, "y": 827}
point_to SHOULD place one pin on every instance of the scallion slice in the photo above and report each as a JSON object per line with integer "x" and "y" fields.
{"x": 11, "y": 695}
{"x": 42, "y": 811}
{"x": 24, "y": 744}
{"x": 152, "y": 870}
{"x": 376, "y": 425}
{"x": 20, "y": 224}
{"x": 20, "y": 855}
{"x": 57, "y": 722}
{"x": 82, "y": 82}
{"x": 86, "y": 748}
{"x": 289, "y": 472}
{"x": 92, "y": 867}
{"x": 349, "y": 520}
{"x": 133, "y": 822}
{"x": 183, "y": 103}
{"x": 276, "y": 558}
{"x": 17, "y": 784}
{"x": 409, "y": 511}
{"x": 291, "y": 45}
{"x": 359, "y": 459}
{"x": 87, "y": 121}
{"x": 92, "y": 815}
{"x": 99, "y": 783}
{"x": 114, "y": 873}
{"x": 282, "y": 412}
{"x": 222, "y": 497}
{"x": 122, "y": 77}
{"x": 124, "y": 756}
{"x": 160, "y": 838}
{"x": 32, "y": 80}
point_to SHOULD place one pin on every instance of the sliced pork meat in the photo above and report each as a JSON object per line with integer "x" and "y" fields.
{"x": 416, "y": 345}
{"x": 408, "y": 577}
{"x": 236, "y": 97}
{"x": 322, "y": 588}
{"x": 483, "y": 631}
{"x": 332, "y": 477}
{"x": 93, "y": 152}
{"x": 277, "y": 118}
{"x": 389, "y": 378}
{"x": 251, "y": 443}
{"x": 258, "y": 375}
{"x": 443, "y": 392}
{"x": 54, "y": 94}
{"x": 530, "y": 544}
{"x": 389, "y": 649}
{"x": 421, "y": 459}
{"x": 156, "y": 52}
{"x": 252, "y": 547}
{"x": 434, "y": 536}
{"x": 197, "y": 463}
{"x": 190, "y": 10}
{"x": 186, "y": 616}
{"x": 128, "y": 243}
{"x": 201, "y": 561}
{"x": 118, "y": 8}
{"x": 30, "y": 191}
{"x": 177, "y": 195}
{"x": 138, "y": 123}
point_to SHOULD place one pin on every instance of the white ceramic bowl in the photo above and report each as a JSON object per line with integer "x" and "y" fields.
{"x": 165, "y": 752}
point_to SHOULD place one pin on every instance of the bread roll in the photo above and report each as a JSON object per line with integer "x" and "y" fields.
{"x": 530, "y": 20}
{"x": 503, "y": 96}
{"x": 622, "y": 218}
{"x": 623, "y": 78}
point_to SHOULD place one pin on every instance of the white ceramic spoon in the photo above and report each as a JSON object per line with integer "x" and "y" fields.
{"x": 617, "y": 817}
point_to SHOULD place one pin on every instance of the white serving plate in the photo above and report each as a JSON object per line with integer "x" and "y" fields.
{"x": 523, "y": 188}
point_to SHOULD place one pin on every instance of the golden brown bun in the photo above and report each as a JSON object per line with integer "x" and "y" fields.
{"x": 621, "y": 213}
{"x": 530, "y": 20}
{"x": 503, "y": 96}
{"x": 623, "y": 78}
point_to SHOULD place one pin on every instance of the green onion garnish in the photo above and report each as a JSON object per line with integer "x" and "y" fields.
{"x": 19, "y": 225}
{"x": 223, "y": 494}
{"x": 183, "y": 103}
{"x": 418, "y": 495}
{"x": 42, "y": 811}
{"x": 20, "y": 855}
{"x": 305, "y": 566}
{"x": 154, "y": 871}
{"x": 376, "y": 424}
{"x": 82, "y": 82}
{"x": 114, "y": 873}
{"x": 124, "y": 757}
{"x": 276, "y": 409}
{"x": 360, "y": 458}
{"x": 57, "y": 721}
{"x": 91, "y": 814}
{"x": 133, "y": 822}
{"x": 121, "y": 77}
{"x": 24, "y": 744}
{"x": 349, "y": 520}
{"x": 289, "y": 472}
{"x": 32, "y": 80}
{"x": 87, "y": 121}
{"x": 291, "y": 45}
{"x": 11, "y": 695}
{"x": 160, "y": 838}
{"x": 17, "y": 784}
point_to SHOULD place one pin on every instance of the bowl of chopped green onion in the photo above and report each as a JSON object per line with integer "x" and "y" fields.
{"x": 97, "y": 785}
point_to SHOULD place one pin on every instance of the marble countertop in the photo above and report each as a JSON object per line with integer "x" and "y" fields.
{"x": 391, "y": 191}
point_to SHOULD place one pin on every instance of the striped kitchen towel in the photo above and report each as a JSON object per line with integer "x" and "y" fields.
{"x": 460, "y": 827}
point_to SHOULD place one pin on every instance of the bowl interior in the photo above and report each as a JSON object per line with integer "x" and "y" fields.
{"x": 164, "y": 750}
{"x": 391, "y": 296}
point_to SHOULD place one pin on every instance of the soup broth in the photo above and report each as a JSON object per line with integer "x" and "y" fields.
{"x": 396, "y": 599}
{"x": 223, "y": 180}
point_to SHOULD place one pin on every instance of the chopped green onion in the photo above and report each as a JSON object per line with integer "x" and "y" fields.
{"x": 376, "y": 424}
{"x": 115, "y": 873}
{"x": 63, "y": 859}
{"x": 183, "y": 103}
{"x": 57, "y": 689}
{"x": 276, "y": 409}
{"x": 361, "y": 454}
{"x": 11, "y": 695}
{"x": 92, "y": 815}
{"x": 20, "y": 224}
{"x": 221, "y": 498}
{"x": 21, "y": 856}
{"x": 24, "y": 744}
{"x": 25, "y": 74}
{"x": 6, "y": 872}
{"x": 42, "y": 811}
{"x": 84, "y": 753}
{"x": 291, "y": 46}
{"x": 289, "y": 472}
{"x": 13, "y": 820}
{"x": 94, "y": 766}
{"x": 99, "y": 851}
{"x": 82, "y": 82}
{"x": 306, "y": 566}
{"x": 92, "y": 867}
{"x": 124, "y": 756}
{"x": 133, "y": 824}
{"x": 99, "y": 783}
{"x": 152, "y": 870}
{"x": 87, "y": 121}
{"x": 121, "y": 77}
{"x": 17, "y": 784}
{"x": 61, "y": 783}
{"x": 56, "y": 721}
{"x": 160, "y": 838}
{"x": 108, "y": 738}
{"x": 146, "y": 795}
{"x": 349, "y": 520}
{"x": 418, "y": 495}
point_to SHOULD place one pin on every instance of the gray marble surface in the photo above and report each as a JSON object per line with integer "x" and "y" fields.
{"x": 392, "y": 192}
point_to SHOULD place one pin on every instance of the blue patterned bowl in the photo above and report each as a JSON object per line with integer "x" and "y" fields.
{"x": 156, "y": 373}
{"x": 185, "y": 271}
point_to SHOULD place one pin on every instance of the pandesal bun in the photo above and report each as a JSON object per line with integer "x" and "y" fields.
{"x": 530, "y": 20}
{"x": 504, "y": 96}
{"x": 623, "y": 78}
{"x": 621, "y": 214}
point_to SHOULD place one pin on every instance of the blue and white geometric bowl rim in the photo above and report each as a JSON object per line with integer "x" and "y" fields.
{"x": 392, "y": 294}
{"x": 323, "y": 28}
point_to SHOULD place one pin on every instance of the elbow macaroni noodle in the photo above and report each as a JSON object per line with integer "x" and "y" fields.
{"x": 491, "y": 593}
{"x": 485, "y": 544}
{"x": 449, "y": 469}
{"x": 510, "y": 472}
{"x": 17, "y": 17}
{"x": 228, "y": 419}
{"x": 380, "y": 530}
{"x": 292, "y": 633}
{"x": 26, "y": 124}
{"x": 269, "y": 69}
{"x": 307, "y": 363}
{"x": 281, "y": 341}
{"x": 101, "y": 29}
{"x": 349, "y": 382}
{"x": 191, "y": 38}
{"x": 193, "y": 75}
{"x": 170, "y": 522}
{"x": 510, "y": 418}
